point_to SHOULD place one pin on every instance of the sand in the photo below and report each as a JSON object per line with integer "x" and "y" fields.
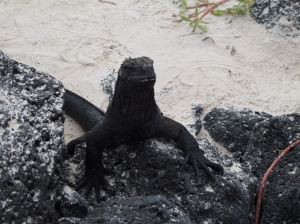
{"x": 81, "y": 42}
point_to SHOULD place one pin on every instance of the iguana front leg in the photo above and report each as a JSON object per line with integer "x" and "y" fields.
{"x": 72, "y": 144}
{"x": 94, "y": 170}
{"x": 101, "y": 137}
{"x": 169, "y": 129}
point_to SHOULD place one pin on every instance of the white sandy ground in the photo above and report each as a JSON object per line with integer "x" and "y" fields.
{"x": 80, "y": 42}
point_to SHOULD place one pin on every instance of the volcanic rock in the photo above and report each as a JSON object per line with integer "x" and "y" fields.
{"x": 31, "y": 144}
{"x": 154, "y": 168}
{"x": 281, "y": 201}
{"x": 231, "y": 127}
{"x": 138, "y": 209}
{"x": 280, "y": 15}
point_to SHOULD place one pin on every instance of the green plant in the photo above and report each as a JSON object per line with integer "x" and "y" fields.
{"x": 195, "y": 19}
{"x": 242, "y": 8}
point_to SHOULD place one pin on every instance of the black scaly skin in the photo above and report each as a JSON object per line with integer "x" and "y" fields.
{"x": 132, "y": 114}
{"x": 83, "y": 112}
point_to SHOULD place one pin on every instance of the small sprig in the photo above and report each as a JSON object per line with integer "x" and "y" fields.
{"x": 242, "y": 8}
{"x": 195, "y": 19}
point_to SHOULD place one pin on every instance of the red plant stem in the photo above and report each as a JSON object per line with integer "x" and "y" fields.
{"x": 201, "y": 5}
{"x": 193, "y": 14}
{"x": 206, "y": 4}
{"x": 262, "y": 184}
{"x": 210, "y": 9}
{"x": 205, "y": 12}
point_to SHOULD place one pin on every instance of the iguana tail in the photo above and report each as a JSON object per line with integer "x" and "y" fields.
{"x": 83, "y": 112}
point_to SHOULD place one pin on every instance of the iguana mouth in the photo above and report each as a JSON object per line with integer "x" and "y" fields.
{"x": 138, "y": 79}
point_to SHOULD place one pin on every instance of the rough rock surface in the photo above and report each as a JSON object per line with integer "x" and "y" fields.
{"x": 197, "y": 125}
{"x": 71, "y": 204}
{"x": 138, "y": 209}
{"x": 281, "y": 201}
{"x": 108, "y": 84}
{"x": 280, "y": 15}
{"x": 155, "y": 168}
{"x": 31, "y": 142}
{"x": 231, "y": 127}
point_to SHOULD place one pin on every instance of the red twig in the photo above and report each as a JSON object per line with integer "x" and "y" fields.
{"x": 209, "y": 9}
{"x": 262, "y": 184}
{"x": 201, "y": 5}
{"x": 206, "y": 4}
{"x": 205, "y": 12}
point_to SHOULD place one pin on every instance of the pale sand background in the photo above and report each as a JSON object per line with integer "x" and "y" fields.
{"x": 80, "y": 42}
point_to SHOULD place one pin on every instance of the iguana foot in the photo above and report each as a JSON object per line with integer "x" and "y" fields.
{"x": 93, "y": 178}
{"x": 198, "y": 160}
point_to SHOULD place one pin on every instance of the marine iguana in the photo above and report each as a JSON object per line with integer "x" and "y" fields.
{"x": 132, "y": 114}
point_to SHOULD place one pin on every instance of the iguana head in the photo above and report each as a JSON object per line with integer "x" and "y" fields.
{"x": 133, "y": 99}
{"x": 138, "y": 70}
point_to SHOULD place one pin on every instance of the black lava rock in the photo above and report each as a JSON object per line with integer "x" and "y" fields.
{"x": 72, "y": 204}
{"x": 108, "y": 84}
{"x": 281, "y": 198}
{"x": 138, "y": 209}
{"x": 281, "y": 14}
{"x": 268, "y": 139}
{"x": 31, "y": 142}
{"x": 154, "y": 168}
{"x": 69, "y": 220}
{"x": 232, "y": 128}
{"x": 197, "y": 125}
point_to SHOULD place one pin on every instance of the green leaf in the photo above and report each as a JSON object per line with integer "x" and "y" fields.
{"x": 184, "y": 4}
{"x": 203, "y": 28}
{"x": 196, "y": 12}
{"x": 240, "y": 11}
{"x": 186, "y": 18}
{"x": 222, "y": 10}
{"x": 204, "y": 22}
{"x": 219, "y": 12}
{"x": 233, "y": 11}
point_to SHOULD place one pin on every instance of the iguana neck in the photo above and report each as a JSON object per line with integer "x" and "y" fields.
{"x": 133, "y": 103}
